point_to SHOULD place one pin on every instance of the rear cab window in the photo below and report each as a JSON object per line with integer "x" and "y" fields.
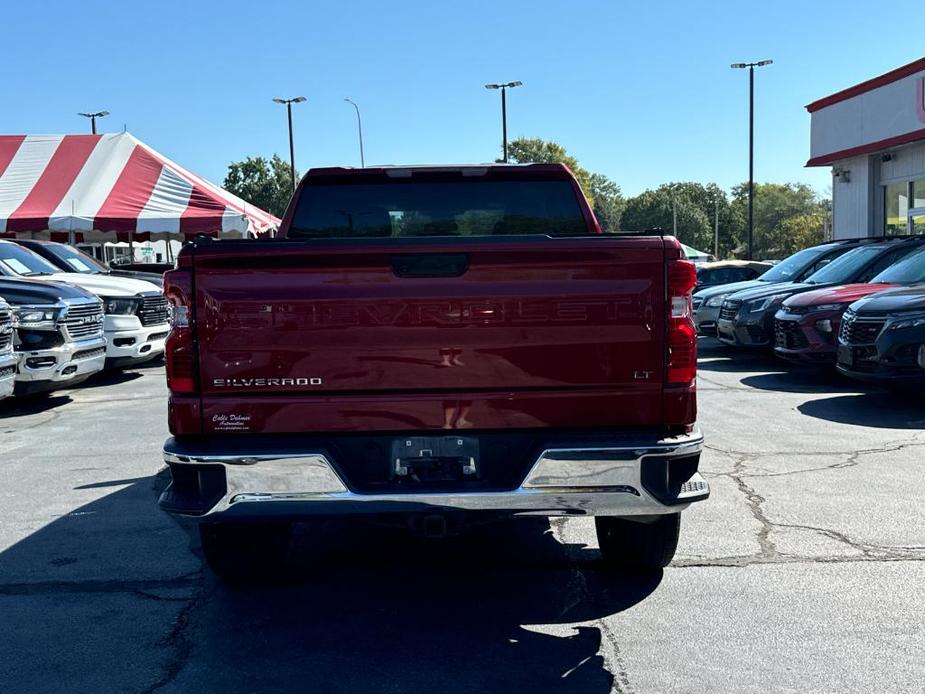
{"x": 358, "y": 206}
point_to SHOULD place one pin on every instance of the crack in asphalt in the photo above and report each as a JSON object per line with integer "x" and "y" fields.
{"x": 754, "y": 501}
{"x": 613, "y": 659}
{"x": 852, "y": 457}
{"x": 178, "y": 642}
{"x": 768, "y": 552}
{"x": 94, "y": 586}
{"x": 742, "y": 562}
{"x": 48, "y": 417}
{"x": 128, "y": 399}
{"x": 577, "y": 589}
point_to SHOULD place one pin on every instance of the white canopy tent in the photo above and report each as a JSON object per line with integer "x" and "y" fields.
{"x": 112, "y": 188}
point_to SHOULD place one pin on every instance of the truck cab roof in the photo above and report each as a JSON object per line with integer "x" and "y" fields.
{"x": 404, "y": 170}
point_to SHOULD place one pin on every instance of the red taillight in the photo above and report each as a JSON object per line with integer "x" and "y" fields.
{"x": 180, "y": 348}
{"x": 682, "y": 335}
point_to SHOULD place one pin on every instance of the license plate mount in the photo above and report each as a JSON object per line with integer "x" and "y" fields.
{"x": 435, "y": 458}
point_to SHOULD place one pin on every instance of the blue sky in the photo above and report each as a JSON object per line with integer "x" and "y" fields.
{"x": 639, "y": 91}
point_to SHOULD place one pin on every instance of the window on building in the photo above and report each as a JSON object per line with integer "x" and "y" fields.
{"x": 918, "y": 203}
{"x": 918, "y": 193}
{"x": 904, "y": 207}
{"x": 896, "y": 207}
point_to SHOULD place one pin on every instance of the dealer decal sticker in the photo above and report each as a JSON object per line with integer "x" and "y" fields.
{"x": 231, "y": 422}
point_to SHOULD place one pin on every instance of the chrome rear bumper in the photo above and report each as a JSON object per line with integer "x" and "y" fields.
{"x": 607, "y": 480}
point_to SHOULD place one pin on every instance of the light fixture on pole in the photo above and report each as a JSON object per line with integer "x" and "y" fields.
{"x": 751, "y": 146}
{"x": 504, "y": 87}
{"x": 359, "y": 130}
{"x": 93, "y": 117}
{"x": 288, "y": 103}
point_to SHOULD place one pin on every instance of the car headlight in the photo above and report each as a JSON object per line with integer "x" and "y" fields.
{"x": 829, "y": 307}
{"x": 759, "y": 305}
{"x": 119, "y": 306}
{"x": 909, "y": 322}
{"x": 36, "y": 317}
{"x": 716, "y": 301}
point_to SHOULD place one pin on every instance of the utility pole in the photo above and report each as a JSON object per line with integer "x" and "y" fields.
{"x": 716, "y": 227}
{"x": 504, "y": 87}
{"x": 751, "y": 146}
{"x": 289, "y": 103}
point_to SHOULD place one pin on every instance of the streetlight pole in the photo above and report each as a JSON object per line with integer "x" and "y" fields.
{"x": 504, "y": 87}
{"x": 359, "y": 130}
{"x": 751, "y": 146}
{"x": 93, "y": 117}
{"x": 289, "y": 103}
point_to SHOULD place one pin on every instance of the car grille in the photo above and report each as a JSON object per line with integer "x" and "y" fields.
{"x": 6, "y": 328}
{"x": 730, "y": 309}
{"x": 153, "y": 310}
{"x": 696, "y": 301}
{"x": 788, "y": 335}
{"x": 855, "y": 331}
{"x": 84, "y": 320}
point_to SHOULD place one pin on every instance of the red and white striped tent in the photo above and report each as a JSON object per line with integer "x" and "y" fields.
{"x": 75, "y": 188}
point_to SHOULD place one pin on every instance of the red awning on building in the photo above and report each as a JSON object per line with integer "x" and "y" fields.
{"x": 112, "y": 187}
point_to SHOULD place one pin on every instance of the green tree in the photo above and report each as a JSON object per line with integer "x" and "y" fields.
{"x": 715, "y": 205}
{"x": 261, "y": 182}
{"x": 776, "y": 204}
{"x": 802, "y": 231}
{"x": 603, "y": 194}
{"x": 659, "y": 208}
{"x": 525, "y": 150}
{"x": 608, "y": 202}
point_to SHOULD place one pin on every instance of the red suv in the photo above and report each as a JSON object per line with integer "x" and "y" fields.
{"x": 807, "y": 324}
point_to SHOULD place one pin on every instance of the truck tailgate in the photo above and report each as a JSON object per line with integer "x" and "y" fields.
{"x": 496, "y": 333}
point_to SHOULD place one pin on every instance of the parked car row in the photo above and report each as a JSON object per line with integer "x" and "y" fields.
{"x": 858, "y": 304}
{"x": 64, "y": 317}
{"x": 716, "y": 273}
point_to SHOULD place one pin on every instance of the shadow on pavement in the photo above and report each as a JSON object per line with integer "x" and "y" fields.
{"x": 107, "y": 598}
{"x": 713, "y": 355}
{"x": 156, "y": 363}
{"x": 878, "y": 409}
{"x": 807, "y": 379}
{"x": 110, "y": 377}
{"x": 31, "y": 404}
{"x": 376, "y": 610}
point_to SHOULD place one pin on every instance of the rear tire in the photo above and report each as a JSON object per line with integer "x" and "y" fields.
{"x": 638, "y": 546}
{"x": 245, "y": 552}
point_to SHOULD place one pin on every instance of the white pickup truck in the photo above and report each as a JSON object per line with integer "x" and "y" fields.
{"x": 135, "y": 324}
{"x": 8, "y": 359}
{"x": 58, "y": 334}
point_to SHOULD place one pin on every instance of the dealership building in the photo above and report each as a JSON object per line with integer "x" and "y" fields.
{"x": 872, "y": 135}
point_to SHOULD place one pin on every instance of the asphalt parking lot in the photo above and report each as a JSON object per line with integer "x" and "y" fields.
{"x": 804, "y": 572}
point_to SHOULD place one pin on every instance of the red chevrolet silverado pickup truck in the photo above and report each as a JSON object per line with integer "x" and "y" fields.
{"x": 432, "y": 346}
